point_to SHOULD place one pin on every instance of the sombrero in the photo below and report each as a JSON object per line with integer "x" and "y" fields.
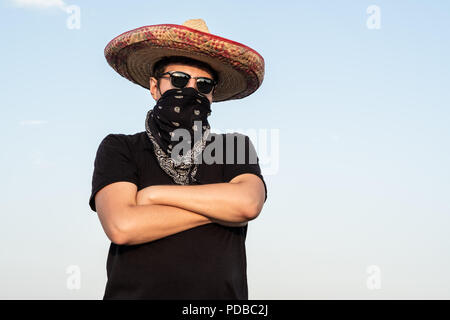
{"x": 133, "y": 54}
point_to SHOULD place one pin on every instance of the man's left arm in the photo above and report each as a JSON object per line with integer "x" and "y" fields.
{"x": 239, "y": 200}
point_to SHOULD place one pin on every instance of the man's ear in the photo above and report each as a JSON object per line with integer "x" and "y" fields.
{"x": 154, "y": 87}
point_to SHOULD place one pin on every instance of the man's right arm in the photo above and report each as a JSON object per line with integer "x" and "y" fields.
{"x": 127, "y": 223}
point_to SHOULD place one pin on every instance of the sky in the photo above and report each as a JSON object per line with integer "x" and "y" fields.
{"x": 350, "y": 125}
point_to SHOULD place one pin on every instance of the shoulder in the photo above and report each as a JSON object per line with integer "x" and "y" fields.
{"x": 237, "y": 139}
{"x": 229, "y": 137}
{"x": 233, "y": 134}
{"x": 129, "y": 142}
{"x": 228, "y": 140}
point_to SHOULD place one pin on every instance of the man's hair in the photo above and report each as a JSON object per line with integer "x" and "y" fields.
{"x": 159, "y": 67}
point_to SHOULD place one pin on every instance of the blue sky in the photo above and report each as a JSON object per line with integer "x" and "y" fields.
{"x": 363, "y": 164}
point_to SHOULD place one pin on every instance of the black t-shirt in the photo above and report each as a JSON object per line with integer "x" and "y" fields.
{"x": 205, "y": 262}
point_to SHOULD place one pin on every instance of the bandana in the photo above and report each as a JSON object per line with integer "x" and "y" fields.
{"x": 184, "y": 108}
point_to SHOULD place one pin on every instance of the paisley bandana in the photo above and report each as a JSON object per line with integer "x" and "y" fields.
{"x": 184, "y": 108}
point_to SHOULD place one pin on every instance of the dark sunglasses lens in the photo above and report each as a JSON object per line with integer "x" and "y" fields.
{"x": 179, "y": 80}
{"x": 204, "y": 85}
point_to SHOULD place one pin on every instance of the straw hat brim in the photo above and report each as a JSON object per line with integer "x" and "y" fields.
{"x": 133, "y": 54}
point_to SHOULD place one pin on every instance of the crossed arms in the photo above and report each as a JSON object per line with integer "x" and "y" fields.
{"x": 130, "y": 217}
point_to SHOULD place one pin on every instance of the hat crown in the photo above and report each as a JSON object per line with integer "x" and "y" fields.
{"x": 197, "y": 24}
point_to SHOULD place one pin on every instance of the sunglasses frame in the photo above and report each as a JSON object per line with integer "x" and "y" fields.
{"x": 170, "y": 73}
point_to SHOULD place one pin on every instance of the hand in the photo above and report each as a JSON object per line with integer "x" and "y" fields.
{"x": 144, "y": 196}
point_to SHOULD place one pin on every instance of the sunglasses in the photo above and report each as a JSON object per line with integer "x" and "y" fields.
{"x": 179, "y": 79}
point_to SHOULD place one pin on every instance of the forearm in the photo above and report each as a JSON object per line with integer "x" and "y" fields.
{"x": 228, "y": 202}
{"x": 151, "y": 222}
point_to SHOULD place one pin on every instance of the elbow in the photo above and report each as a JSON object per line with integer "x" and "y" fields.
{"x": 252, "y": 210}
{"x": 118, "y": 223}
{"x": 118, "y": 237}
{"x": 120, "y": 232}
{"x": 252, "y": 201}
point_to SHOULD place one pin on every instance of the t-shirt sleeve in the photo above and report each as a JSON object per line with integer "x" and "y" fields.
{"x": 235, "y": 164}
{"x": 113, "y": 163}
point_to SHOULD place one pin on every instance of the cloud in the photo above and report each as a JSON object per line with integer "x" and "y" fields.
{"x": 41, "y": 4}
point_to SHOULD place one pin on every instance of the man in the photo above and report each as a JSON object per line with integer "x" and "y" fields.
{"x": 178, "y": 228}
